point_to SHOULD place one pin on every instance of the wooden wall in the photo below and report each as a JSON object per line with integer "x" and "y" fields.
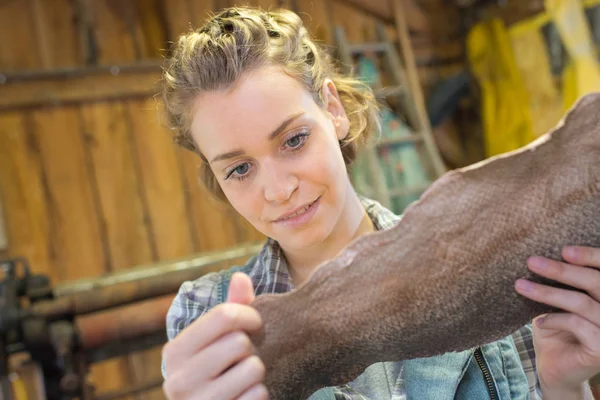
{"x": 90, "y": 182}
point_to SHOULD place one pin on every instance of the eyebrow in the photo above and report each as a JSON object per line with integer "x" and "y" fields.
{"x": 280, "y": 129}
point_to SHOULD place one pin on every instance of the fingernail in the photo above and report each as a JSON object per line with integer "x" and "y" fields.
{"x": 540, "y": 321}
{"x": 524, "y": 285}
{"x": 538, "y": 263}
{"x": 571, "y": 252}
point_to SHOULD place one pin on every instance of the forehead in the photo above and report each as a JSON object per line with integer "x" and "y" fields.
{"x": 252, "y": 108}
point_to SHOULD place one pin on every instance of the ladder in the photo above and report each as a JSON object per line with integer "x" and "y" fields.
{"x": 406, "y": 93}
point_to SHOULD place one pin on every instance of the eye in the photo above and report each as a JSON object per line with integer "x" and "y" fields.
{"x": 296, "y": 141}
{"x": 242, "y": 169}
{"x": 238, "y": 172}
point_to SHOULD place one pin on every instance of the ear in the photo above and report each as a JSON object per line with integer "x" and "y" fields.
{"x": 335, "y": 109}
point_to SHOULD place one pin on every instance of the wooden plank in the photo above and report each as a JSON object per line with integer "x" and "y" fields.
{"x": 56, "y": 32}
{"x": 316, "y": 17}
{"x": 19, "y": 49}
{"x": 417, "y": 19}
{"x": 434, "y": 29}
{"x": 109, "y": 375}
{"x": 152, "y": 359}
{"x": 290, "y": 4}
{"x": 221, "y": 4}
{"x": 153, "y": 26}
{"x": 3, "y": 239}
{"x": 107, "y": 136}
{"x": 117, "y": 31}
{"x": 357, "y": 26}
{"x": 201, "y": 10}
{"x": 177, "y": 16}
{"x": 78, "y": 244}
{"x": 23, "y": 199}
{"x": 213, "y": 224}
{"x": 76, "y": 86}
{"x": 161, "y": 181}
{"x": 107, "y": 140}
{"x": 377, "y": 9}
{"x": 441, "y": 19}
{"x": 265, "y": 4}
{"x": 77, "y": 239}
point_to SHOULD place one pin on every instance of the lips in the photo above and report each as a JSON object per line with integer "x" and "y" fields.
{"x": 298, "y": 211}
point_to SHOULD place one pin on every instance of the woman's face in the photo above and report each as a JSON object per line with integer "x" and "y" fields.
{"x": 275, "y": 153}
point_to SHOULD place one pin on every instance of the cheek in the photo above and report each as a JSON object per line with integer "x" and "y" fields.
{"x": 330, "y": 162}
{"x": 245, "y": 200}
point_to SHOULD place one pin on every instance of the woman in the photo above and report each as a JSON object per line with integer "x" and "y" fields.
{"x": 276, "y": 128}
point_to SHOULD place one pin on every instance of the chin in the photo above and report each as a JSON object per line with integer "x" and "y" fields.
{"x": 307, "y": 238}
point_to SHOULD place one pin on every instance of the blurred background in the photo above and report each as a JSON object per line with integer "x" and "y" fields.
{"x": 95, "y": 197}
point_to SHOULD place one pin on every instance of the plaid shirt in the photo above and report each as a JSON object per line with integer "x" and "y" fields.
{"x": 269, "y": 274}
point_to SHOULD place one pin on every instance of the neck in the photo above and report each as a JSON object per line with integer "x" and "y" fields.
{"x": 353, "y": 223}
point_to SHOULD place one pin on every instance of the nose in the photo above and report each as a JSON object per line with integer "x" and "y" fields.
{"x": 279, "y": 183}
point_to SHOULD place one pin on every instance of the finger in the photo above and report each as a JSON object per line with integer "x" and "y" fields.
{"x": 238, "y": 379}
{"x": 212, "y": 362}
{"x": 240, "y": 289}
{"x": 567, "y": 300}
{"x": 584, "y": 278}
{"x": 217, "y": 322}
{"x": 587, "y": 334}
{"x": 223, "y": 353}
{"x": 256, "y": 392}
{"x": 582, "y": 255}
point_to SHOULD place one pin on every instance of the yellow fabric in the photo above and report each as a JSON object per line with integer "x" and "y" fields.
{"x": 504, "y": 101}
{"x": 519, "y": 97}
{"x": 590, "y": 3}
{"x": 545, "y": 100}
{"x": 19, "y": 390}
{"x": 541, "y": 19}
{"x": 581, "y": 76}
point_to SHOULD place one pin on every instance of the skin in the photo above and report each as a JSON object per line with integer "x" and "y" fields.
{"x": 567, "y": 344}
{"x": 279, "y": 174}
{"x": 214, "y": 358}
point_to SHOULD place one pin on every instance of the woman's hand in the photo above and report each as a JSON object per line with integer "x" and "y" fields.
{"x": 213, "y": 358}
{"x": 567, "y": 344}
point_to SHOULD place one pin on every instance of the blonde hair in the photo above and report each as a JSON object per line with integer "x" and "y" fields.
{"x": 239, "y": 39}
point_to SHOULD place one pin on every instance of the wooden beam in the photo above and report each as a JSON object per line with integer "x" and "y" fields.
{"x": 415, "y": 85}
{"x": 81, "y": 85}
{"x": 379, "y": 9}
{"x": 3, "y": 239}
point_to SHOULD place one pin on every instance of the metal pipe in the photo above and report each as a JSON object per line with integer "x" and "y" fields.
{"x": 142, "y": 283}
{"x": 146, "y": 271}
{"x": 124, "y": 323}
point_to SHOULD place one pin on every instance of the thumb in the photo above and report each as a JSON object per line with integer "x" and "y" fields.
{"x": 240, "y": 289}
